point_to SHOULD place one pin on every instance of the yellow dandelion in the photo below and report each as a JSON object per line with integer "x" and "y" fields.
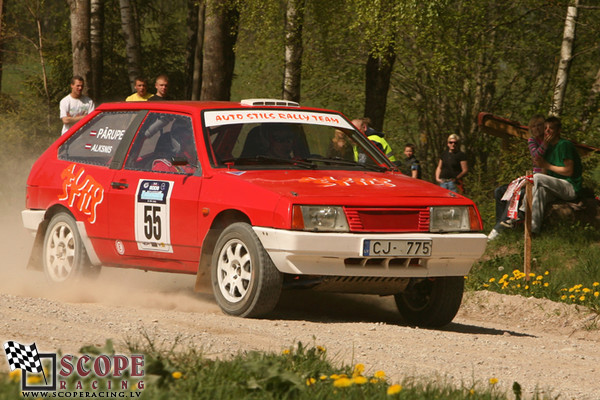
{"x": 492, "y": 280}
{"x": 286, "y": 352}
{"x": 539, "y": 278}
{"x": 358, "y": 369}
{"x": 586, "y": 290}
{"x": 342, "y": 382}
{"x": 471, "y": 392}
{"x": 310, "y": 381}
{"x": 596, "y": 294}
{"x": 582, "y": 298}
{"x": 563, "y": 297}
{"x": 177, "y": 375}
{"x": 486, "y": 285}
{"x": 15, "y": 375}
{"x": 572, "y": 296}
{"x": 546, "y": 284}
{"x": 373, "y": 380}
{"x": 359, "y": 380}
{"x": 321, "y": 349}
{"x": 595, "y": 284}
{"x": 493, "y": 381}
{"x": 379, "y": 375}
{"x": 323, "y": 377}
{"x": 394, "y": 389}
{"x": 547, "y": 273}
{"x": 526, "y": 287}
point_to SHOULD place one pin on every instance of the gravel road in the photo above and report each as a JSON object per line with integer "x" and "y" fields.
{"x": 545, "y": 346}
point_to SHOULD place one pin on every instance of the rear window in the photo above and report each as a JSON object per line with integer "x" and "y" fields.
{"x": 97, "y": 141}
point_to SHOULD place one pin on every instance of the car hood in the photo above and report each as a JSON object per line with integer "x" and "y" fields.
{"x": 345, "y": 187}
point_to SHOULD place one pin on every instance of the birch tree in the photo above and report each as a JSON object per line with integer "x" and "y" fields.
{"x": 566, "y": 52}
{"x": 131, "y": 35}
{"x": 292, "y": 76}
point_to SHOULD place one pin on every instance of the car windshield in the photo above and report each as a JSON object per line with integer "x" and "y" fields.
{"x": 274, "y": 139}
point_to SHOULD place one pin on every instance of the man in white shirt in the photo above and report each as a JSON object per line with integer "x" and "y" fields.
{"x": 75, "y": 105}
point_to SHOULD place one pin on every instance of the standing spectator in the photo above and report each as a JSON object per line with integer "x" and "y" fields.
{"x": 563, "y": 166}
{"x": 377, "y": 138}
{"x": 452, "y": 166}
{"x": 162, "y": 87}
{"x": 411, "y": 166}
{"x": 75, "y": 105}
{"x": 141, "y": 91}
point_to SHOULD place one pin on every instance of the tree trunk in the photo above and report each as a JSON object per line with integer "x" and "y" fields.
{"x": 80, "y": 40}
{"x": 1, "y": 41}
{"x": 220, "y": 36}
{"x": 132, "y": 41}
{"x": 198, "y": 56}
{"x": 591, "y": 104}
{"x": 566, "y": 52}
{"x": 292, "y": 77}
{"x": 190, "y": 50}
{"x": 378, "y": 73}
{"x": 97, "y": 43}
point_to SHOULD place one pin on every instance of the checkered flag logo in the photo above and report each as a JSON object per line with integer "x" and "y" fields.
{"x": 20, "y": 356}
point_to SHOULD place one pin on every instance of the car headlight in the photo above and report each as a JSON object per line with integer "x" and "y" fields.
{"x": 319, "y": 218}
{"x": 453, "y": 219}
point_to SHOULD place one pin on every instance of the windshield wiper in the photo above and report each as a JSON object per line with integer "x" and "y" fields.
{"x": 271, "y": 160}
{"x": 341, "y": 161}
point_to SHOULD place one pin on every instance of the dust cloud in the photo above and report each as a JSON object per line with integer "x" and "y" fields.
{"x": 114, "y": 286}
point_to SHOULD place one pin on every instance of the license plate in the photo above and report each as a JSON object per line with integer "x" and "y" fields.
{"x": 397, "y": 248}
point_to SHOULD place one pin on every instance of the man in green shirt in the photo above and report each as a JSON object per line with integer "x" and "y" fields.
{"x": 563, "y": 173}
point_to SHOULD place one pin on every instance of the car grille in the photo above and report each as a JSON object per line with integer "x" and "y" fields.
{"x": 368, "y": 219}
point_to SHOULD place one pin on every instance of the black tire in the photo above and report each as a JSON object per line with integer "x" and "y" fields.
{"x": 431, "y": 302}
{"x": 244, "y": 280}
{"x": 65, "y": 259}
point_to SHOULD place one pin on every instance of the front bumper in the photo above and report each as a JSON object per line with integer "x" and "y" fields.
{"x": 340, "y": 254}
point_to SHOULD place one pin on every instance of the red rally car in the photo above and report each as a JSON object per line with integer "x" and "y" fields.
{"x": 257, "y": 197}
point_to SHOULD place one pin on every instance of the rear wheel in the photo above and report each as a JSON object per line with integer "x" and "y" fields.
{"x": 65, "y": 258}
{"x": 245, "y": 282}
{"x": 431, "y": 302}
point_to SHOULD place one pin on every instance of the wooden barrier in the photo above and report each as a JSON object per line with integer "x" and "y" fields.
{"x": 527, "y": 242}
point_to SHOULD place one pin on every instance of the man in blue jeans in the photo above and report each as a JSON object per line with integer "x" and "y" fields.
{"x": 563, "y": 167}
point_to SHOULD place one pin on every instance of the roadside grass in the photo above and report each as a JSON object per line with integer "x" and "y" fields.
{"x": 298, "y": 372}
{"x": 564, "y": 267}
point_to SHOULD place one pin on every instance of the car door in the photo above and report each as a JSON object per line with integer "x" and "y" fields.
{"x": 153, "y": 198}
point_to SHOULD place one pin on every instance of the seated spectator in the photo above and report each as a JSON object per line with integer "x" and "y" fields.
{"x": 508, "y": 206}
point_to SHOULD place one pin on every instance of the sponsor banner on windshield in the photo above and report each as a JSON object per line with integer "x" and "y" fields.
{"x": 229, "y": 117}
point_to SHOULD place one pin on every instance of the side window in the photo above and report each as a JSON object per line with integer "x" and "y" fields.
{"x": 97, "y": 141}
{"x": 164, "y": 143}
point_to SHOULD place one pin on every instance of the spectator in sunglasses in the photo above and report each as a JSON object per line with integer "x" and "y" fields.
{"x": 452, "y": 166}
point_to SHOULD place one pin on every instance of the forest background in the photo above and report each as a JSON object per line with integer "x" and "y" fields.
{"x": 420, "y": 70}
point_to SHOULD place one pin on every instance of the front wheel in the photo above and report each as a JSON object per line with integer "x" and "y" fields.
{"x": 245, "y": 282}
{"x": 65, "y": 258}
{"x": 431, "y": 302}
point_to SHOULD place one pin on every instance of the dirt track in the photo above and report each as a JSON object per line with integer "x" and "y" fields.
{"x": 540, "y": 344}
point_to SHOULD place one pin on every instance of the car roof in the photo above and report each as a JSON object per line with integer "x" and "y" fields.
{"x": 192, "y": 106}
